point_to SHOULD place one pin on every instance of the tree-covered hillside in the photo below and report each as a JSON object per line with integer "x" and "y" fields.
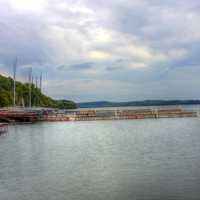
{"x": 22, "y": 96}
{"x": 102, "y": 104}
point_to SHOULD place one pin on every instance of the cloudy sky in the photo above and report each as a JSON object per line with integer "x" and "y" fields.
{"x": 115, "y": 50}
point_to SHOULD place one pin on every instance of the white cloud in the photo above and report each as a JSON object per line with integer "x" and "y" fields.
{"x": 28, "y": 5}
{"x": 137, "y": 65}
{"x": 177, "y": 53}
{"x": 100, "y": 35}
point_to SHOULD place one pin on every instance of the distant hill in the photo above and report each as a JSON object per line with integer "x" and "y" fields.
{"x": 22, "y": 96}
{"x": 100, "y": 104}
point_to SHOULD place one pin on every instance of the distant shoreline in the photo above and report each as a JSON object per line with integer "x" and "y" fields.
{"x": 103, "y": 104}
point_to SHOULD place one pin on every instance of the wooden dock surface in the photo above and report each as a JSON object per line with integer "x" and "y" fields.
{"x": 92, "y": 115}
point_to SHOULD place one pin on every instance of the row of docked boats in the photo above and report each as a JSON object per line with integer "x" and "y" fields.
{"x": 20, "y": 115}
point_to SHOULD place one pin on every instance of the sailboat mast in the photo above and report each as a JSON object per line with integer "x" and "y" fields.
{"x": 14, "y": 82}
{"x": 30, "y": 87}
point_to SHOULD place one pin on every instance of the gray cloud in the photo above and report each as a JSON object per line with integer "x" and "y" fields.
{"x": 79, "y": 66}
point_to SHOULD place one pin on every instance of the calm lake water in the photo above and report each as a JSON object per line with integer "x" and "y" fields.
{"x": 102, "y": 160}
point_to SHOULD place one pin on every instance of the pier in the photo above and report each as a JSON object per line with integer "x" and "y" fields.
{"x": 120, "y": 114}
{"x": 50, "y": 115}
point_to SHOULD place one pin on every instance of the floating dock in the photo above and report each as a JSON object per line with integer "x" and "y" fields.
{"x": 30, "y": 116}
{"x": 94, "y": 115}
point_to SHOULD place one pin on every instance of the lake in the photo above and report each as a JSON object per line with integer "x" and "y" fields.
{"x": 101, "y": 160}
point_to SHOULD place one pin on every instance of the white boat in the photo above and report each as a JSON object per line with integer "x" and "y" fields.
{"x": 3, "y": 128}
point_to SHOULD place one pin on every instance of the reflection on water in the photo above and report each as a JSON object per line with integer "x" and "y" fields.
{"x": 103, "y": 160}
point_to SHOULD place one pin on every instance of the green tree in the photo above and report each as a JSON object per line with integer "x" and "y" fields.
{"x": 22, "y": 96}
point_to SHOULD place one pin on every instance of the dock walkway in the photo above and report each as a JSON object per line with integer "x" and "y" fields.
{"x": 94, "y": 115}
{"x": 23, "y": 116}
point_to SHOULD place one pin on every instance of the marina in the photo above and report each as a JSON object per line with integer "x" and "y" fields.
{"x": 99, "y": 100}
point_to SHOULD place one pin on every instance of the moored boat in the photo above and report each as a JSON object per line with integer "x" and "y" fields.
{"x": 3, "y": 128}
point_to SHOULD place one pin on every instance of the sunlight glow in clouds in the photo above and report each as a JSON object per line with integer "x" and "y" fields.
{"x": 99, "y": 55}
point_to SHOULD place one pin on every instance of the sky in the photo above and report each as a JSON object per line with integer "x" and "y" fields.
{"x": 116, "y": 50}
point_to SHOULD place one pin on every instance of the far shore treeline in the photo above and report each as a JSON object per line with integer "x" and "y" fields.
{"x": 103, "y": 104}
{"x": 22, "y": 96}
